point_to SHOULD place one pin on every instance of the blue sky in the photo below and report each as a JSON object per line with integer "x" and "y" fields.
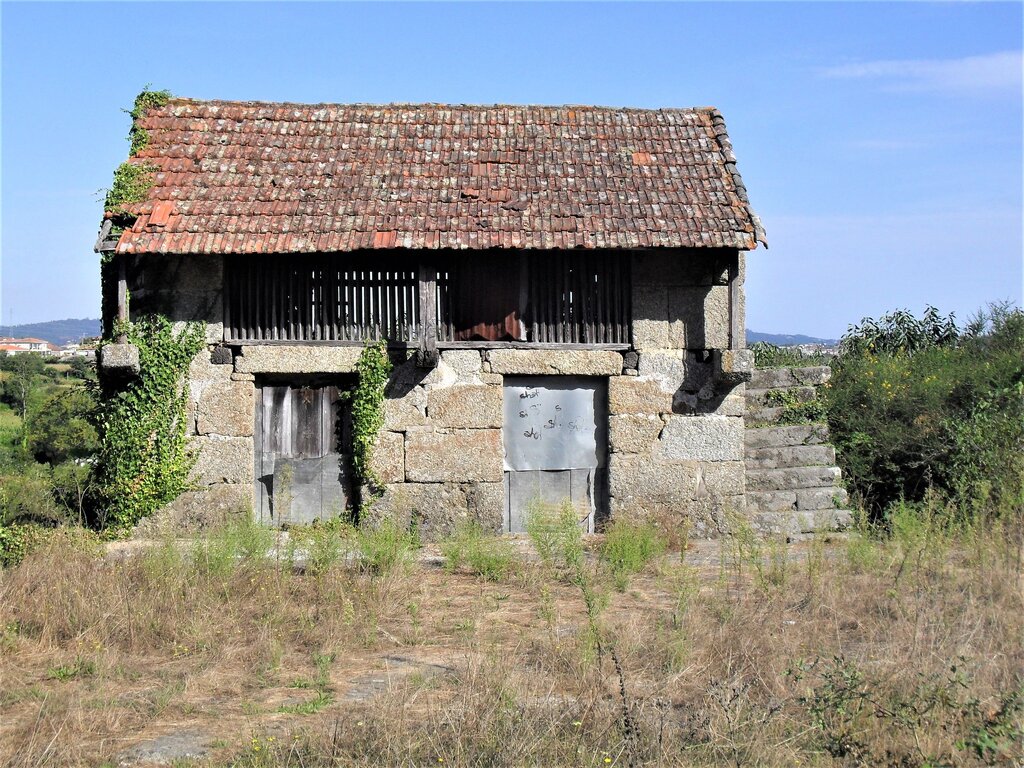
{"x": 880, "y": 143}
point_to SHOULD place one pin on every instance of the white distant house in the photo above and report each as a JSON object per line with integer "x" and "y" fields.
{"x": 87, "y": 351}
{"x": 12, "y": 346}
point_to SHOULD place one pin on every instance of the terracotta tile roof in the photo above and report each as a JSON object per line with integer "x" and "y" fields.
{"x": 250, "y": 177}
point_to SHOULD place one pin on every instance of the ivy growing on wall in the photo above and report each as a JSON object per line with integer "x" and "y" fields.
{"x": 144, "y": 458}
{"x": 374, "y": 369}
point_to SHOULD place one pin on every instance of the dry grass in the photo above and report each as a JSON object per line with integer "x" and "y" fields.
{"x": 744, "y": 653}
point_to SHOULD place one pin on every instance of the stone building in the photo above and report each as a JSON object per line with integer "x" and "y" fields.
{"x": 561, "y": 289}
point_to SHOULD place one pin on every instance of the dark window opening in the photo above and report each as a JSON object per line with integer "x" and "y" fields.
{"x": 529, "y": 297}
{"x": 321, "y": 298}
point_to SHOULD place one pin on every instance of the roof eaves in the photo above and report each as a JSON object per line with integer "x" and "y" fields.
{"x": 718, "y": 125}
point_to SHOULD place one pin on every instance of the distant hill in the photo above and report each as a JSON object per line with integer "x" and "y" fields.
{"x": 786, "y": 339}
{"x": 58, "y": 332}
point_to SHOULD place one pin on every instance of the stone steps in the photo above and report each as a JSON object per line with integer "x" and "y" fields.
{"x": 792, "y": 481}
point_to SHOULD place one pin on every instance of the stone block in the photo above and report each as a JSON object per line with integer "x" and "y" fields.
{"x": 199, "y": 509}
{"x": 722, "y": 478}
{"x": 486, "y": 505}
{"x": 778, "y": 437}
{"x": 791, "y": 478}
{"x": 772, "y": 397}
{"x": 735, "y": 365}
{"x": 820, "y": 498}
{"x": 222, "y": 460}
{"x": 404, "y": 411}
{"x": 201, "y": 369}
{"x": 790, "y": 456}
{"x": 667, "y": 366}
{"x": 465, "y": 362}
{"x": 776, "y": 378}
{"x": 812, "y": 376}
{"x": 467, "y": 406}
{"x": 634, "y": 395}
{"x": 435, "y": 509}
{"x": 120, "y": 360}
{"x": 683, "y": 267}
{"x": 770, "y": 501}
{"x": 576, "y": 362}
{"x": 733, "y": 404}
{"x": 226, "y": 408}
{"x": 297, "y": 359}
{"x": 455, "y": 455}
{"x": 646, "y": 482}
{"x": 650, "y": 322}
{"x": 634, "y": 433}
{"x": 699, "y": 317}
{"x": 701, "y": 438}
{"x": 389, "y": 457}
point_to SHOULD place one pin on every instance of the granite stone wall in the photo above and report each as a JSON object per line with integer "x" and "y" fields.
{"x": 675, "y": 425}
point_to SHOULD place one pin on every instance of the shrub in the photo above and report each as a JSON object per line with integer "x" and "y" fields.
{"x": 556, "y": 533}
{"x": 385, "y": 547}
{"x": 913, "y": 406}
{"x": 628, "y": 547}
{"x": 491, "y": 557}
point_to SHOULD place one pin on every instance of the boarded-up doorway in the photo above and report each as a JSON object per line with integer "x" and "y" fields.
{"x": 556, "y": 445}
{"x": 302, "y": 439}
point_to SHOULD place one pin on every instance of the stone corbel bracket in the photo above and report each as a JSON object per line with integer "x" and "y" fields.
{"x": 119, "y": 360}
{"x": 734, "y": 366}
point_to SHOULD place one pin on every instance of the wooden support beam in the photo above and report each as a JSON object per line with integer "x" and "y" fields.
{"x": 122, "y": 292}
{"x": 735, "y": 329}
{"x": 427, "y": 355}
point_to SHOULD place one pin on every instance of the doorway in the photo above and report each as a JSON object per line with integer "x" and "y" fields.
{"x": 556, "y": 446}
{"x": 303, "y": 453}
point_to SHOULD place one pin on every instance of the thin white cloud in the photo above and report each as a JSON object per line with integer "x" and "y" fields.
{"x": 991, "y": 72}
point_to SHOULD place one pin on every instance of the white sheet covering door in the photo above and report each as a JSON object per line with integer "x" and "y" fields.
{"x": 556, "y": 446}
{"x": 301, "y": 461}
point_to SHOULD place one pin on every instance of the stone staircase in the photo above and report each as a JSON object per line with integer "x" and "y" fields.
{"x": 793, "y": 484}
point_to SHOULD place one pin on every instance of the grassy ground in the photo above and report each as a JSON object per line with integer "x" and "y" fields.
{"x": 899, "y": 652}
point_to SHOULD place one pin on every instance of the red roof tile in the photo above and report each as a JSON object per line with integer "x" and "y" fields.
{"x": 252, "y": 177}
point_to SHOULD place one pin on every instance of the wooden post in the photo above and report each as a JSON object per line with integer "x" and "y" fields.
{"x": 735, "y": 331}
{"x": 122, "y": 294}
{"x": 427, "y": 355}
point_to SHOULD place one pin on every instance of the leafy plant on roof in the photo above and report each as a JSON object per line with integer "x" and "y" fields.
{"x": 131, "y": 185}
{"x": 145, "y": 101}
{"x": 132, "y": 181}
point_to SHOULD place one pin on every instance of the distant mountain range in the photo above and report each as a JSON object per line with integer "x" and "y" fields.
{"x": 55, "y": 331}
{"x": 66, "y": 331}
{"x": 787, "y": 339}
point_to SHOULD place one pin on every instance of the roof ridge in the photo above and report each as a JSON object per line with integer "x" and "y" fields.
{"x": 434, "y": 104}
{"x": 718, "y": 126}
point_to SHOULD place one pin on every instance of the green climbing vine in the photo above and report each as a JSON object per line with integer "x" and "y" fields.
{"x": 144, "y": 458}
{"x": 374, "y": 369}
{"x": 145, "y": 101}
{"x": 132, "y": 181}
{"x": 131, "y": 185}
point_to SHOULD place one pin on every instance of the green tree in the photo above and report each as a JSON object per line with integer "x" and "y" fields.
{"x": 62, "y": 428}
{"x": 23, "y": 374}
